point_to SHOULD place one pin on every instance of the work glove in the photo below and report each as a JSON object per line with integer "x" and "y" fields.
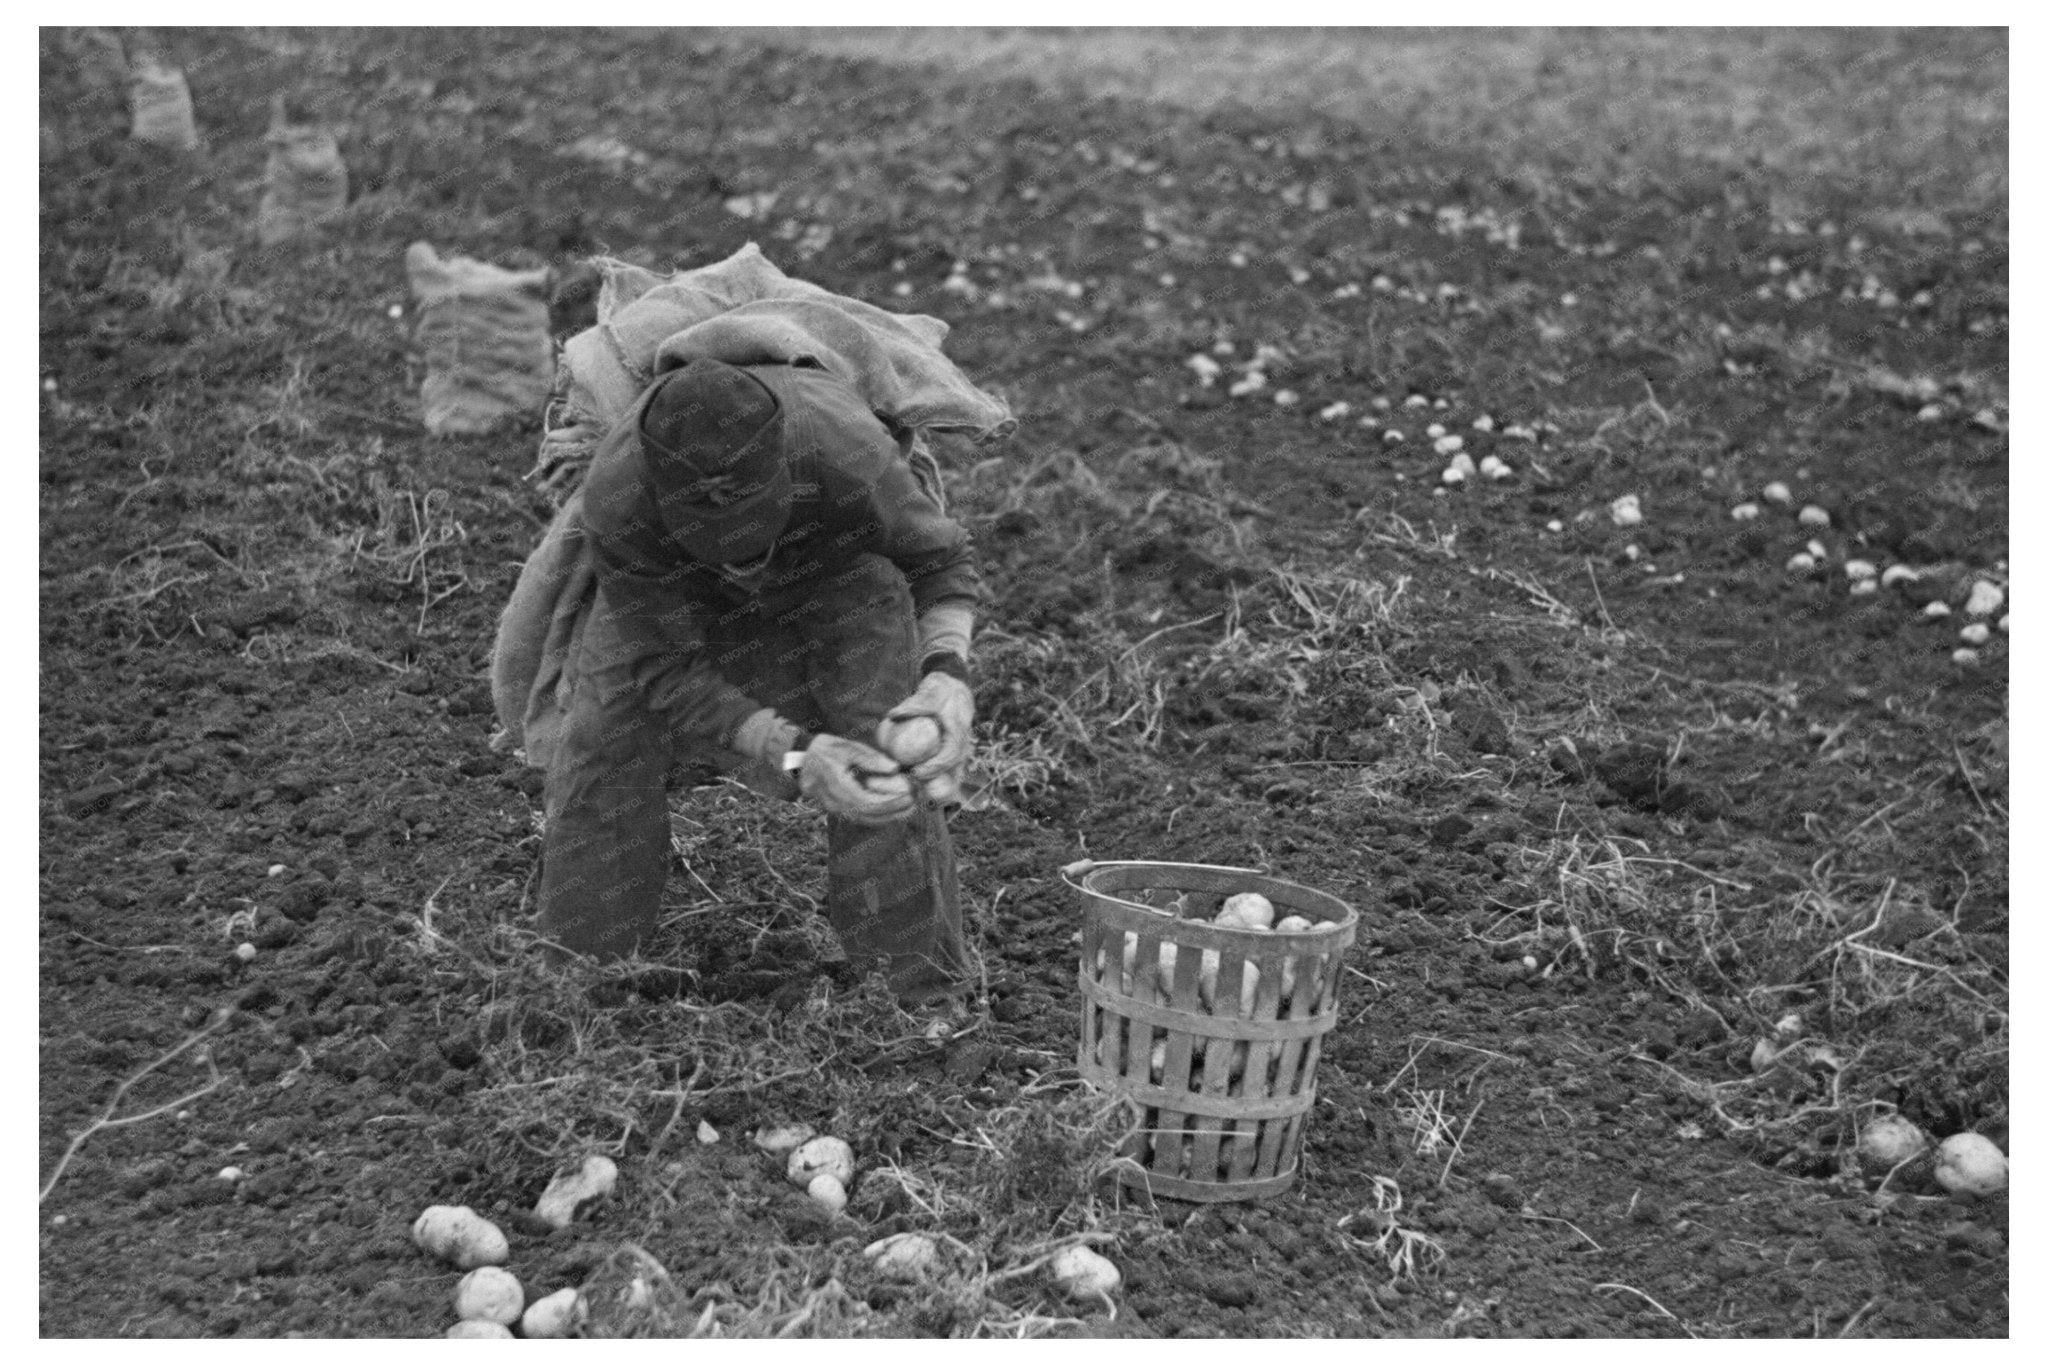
{"x": 854, "y": 782}
{"x": 930, "y": 732}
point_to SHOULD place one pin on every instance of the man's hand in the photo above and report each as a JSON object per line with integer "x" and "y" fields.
{"x": 854, "y": 782}
{"x": 930, "y": 733}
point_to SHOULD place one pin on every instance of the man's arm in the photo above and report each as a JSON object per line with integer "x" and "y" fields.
{"x": 936, "y": 556}
{"x": 946, "y": 627}
{"x": 663, "y": 655}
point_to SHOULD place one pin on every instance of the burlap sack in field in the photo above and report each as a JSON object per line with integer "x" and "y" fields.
{"x": 305, "y": 181}
{"x": 160, "y": 107}
{"x": 484, "y": 331}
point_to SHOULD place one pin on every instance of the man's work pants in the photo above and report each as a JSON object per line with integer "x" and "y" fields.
{"x": 834, "y": 658}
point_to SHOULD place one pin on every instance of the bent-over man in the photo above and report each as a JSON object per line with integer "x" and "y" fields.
{"x": 779, "y": 593}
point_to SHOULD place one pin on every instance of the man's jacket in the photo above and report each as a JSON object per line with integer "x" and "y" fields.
{"x": 854, "y": 494}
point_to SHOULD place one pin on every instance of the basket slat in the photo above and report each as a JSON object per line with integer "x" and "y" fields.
{"x": 1190, "y": 1103}
{"x": 1209, "y": 1192}
{"x": 1215, "y": 1026}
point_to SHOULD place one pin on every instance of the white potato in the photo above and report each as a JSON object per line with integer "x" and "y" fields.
{"x": 783, "y": 1137}
{"x": 1970, "y": 1165}
{"x": 461, "y": 1236}
{"x": 1985, "y": 598}
{"x": 1081, "y": 1273}
{"x": 1294, "y": 924}
{"x": 570, "y": 1191}
{"x": 489, "y": 1294}
{"x": 1889, "y": 1141}
{"x": 475, "y": 1329}
{"x": 828, "y": 1191}
{"x": 905, "y": 1256}
{"x": 1246, "y": 910}
{"x": 821, "y": 1156}
{"x": 557, "y": 1315}
{"x": 911, "y": 740}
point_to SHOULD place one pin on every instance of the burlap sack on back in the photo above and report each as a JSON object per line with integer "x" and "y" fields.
{"x": 160, "y": 107}
{"x": 305, "y": 181}
{"x": 538, "y": 634}
{"x": 744, "y": 310}
{"x": 484, "y": 331}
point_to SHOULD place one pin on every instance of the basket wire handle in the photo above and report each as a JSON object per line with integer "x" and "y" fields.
{"x": 1084, "y": 866}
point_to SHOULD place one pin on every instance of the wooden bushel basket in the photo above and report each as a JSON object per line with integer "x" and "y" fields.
{"x": 1213, "y": 1033}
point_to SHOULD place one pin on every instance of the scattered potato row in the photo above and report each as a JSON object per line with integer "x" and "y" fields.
{"x": 1624, "y": 511}
{"x": 490, "y": 1302}
{"x": 1966, "y": 1165}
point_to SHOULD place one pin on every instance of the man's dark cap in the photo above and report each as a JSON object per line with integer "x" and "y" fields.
{"x": 712, "y": 437}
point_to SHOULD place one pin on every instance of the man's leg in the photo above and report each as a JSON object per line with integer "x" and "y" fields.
{"x": 838, "y": 661}
{"x": 605, "y": 857}
{"x": 891, "y": 890}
